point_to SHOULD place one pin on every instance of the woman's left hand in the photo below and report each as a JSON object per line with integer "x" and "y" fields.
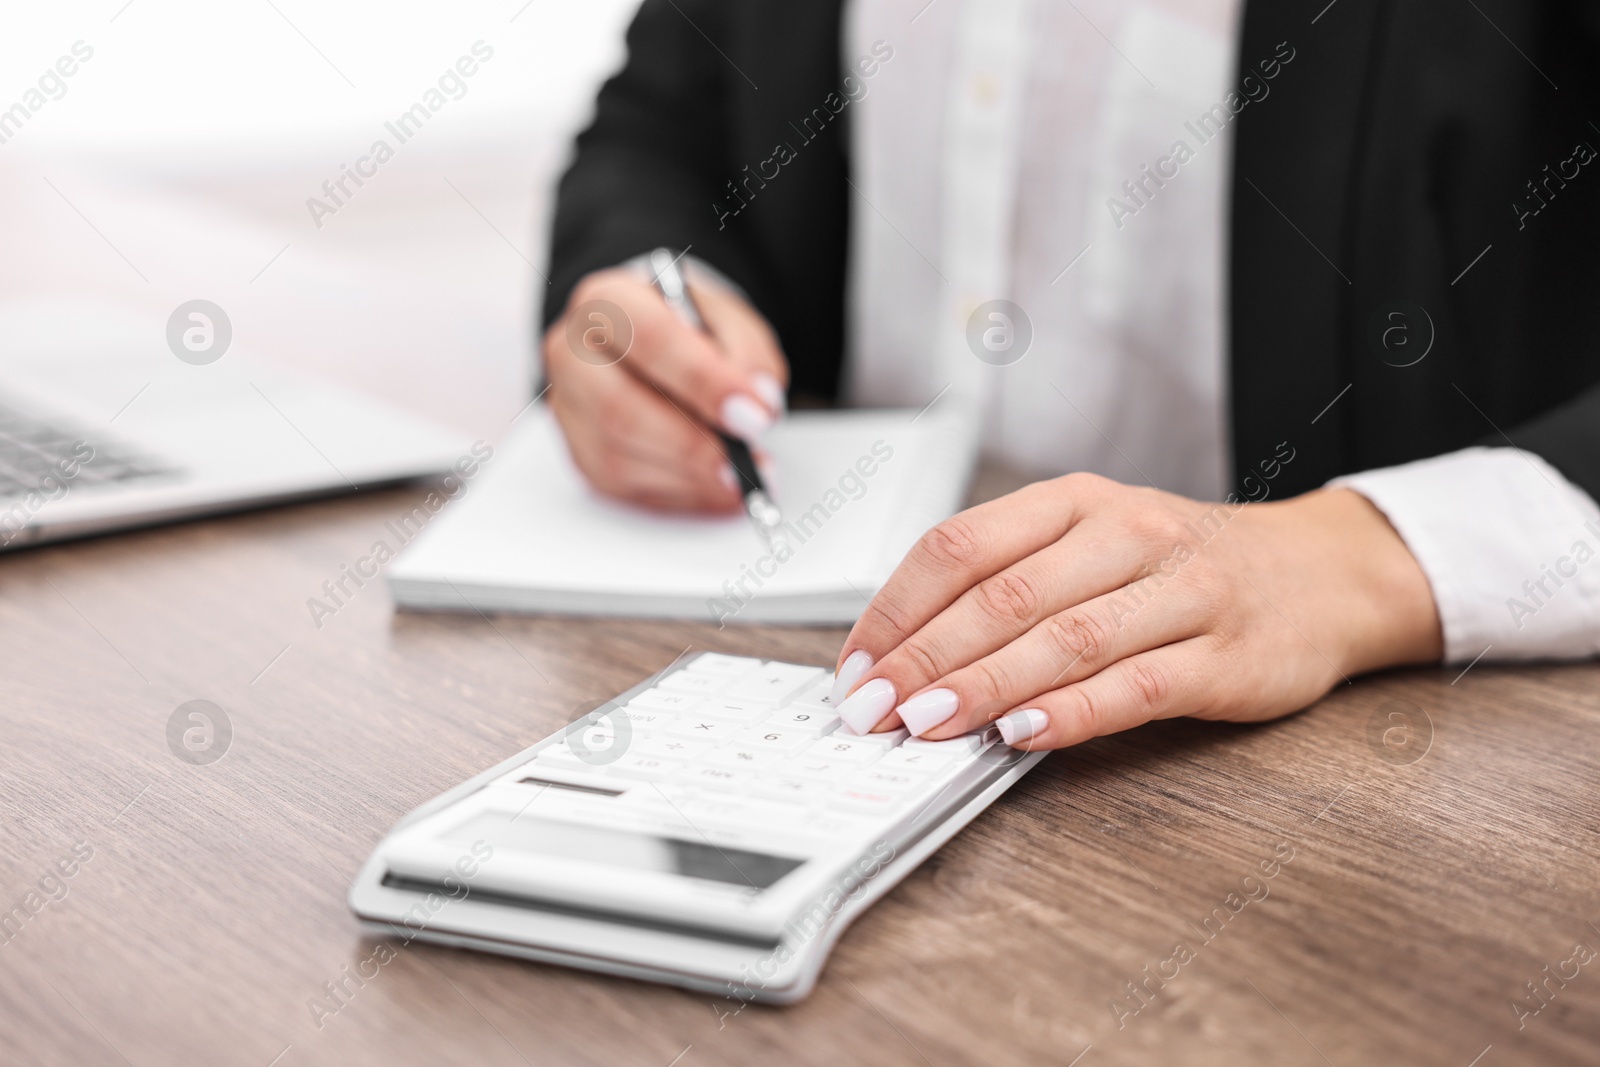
{"x": 1079, "y": 607}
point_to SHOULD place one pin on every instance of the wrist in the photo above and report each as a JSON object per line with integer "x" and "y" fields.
{"x": 1386, "y": 615}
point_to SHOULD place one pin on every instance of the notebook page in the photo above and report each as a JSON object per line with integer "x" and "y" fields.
{"x": 844, "y": 480}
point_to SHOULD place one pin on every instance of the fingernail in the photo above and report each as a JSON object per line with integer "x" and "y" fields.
{"x": 850, "y": 671}
{"x": 1021, "y": 725}
{"x": 867, "y": 706}
{"x": 745, "y": 418}
{"x": 768, "y": 389}
{"x": 727, "y": 477}
{"x": 926, "y": 710}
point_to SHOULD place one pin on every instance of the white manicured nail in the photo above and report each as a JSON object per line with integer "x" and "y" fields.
{"x": 768, "y": 389}
{"x": 727, "y": 477}
{"x": 926, "y": 710}
{"x": 1021, "y": 725}
{"x": 743, "y": 417}
{"x": 854, "y": 666}
{"x": 867, "y": 706}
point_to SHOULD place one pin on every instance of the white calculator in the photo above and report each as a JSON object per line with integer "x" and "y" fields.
{"x": 712, "y": 828}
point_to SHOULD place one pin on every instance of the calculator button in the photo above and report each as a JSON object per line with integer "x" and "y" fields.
{"x": 699, "y": 729}
{"x": 818, "y": 769}
{"x": 838, "y": 748}
{"x": 841, "y": 826}
{"x": 782, "y": 741}
{"x": 682, "y": 749}
{"x": 741, "y": 811}
{"x": 774, "y": 683}
{"x": 919, "y": 760}
{"x": 647, "y": 768}
{"x": 644, "y": 721}
{"x": 743, "y": 756}
{"x": 726, "y": 666}
{"x": 820, "y": 695}
{"x": 601, "y": 741}
{"x": 662, "y": 821}
{"x": 965, "y": 744}
{"x": 747, "y": 712}
{"x": 664, "y": 700}
{"x": 887, "y": 739}
{"x": 866, "y": 801}
{"x": 714, "y": 807}
{"x": 794, "y": 790}
{"x": 718, "y": 778}
{"x": 877, "y": 780}
{"x": 693, "y": 682}
{"x": 813, "y": 722}
{"x": 773, "y": 815}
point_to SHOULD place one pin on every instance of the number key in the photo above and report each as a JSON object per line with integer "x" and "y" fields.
{"x": 813, "y": 722}
{"x": 840, "y": 749}
{"x": 779, "y": 740}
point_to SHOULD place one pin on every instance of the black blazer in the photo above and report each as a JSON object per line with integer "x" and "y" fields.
{"x": 1414, "y": 158}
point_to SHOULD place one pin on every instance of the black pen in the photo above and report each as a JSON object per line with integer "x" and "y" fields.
{"x": 758, "y": 504}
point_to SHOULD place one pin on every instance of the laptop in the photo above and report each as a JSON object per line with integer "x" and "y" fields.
{"x": 104, "y": 427}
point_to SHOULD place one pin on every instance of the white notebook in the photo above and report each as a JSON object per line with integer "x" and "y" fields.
{"x": 527, "y": 534}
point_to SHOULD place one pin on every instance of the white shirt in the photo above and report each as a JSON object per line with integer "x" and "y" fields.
{"x": 989, "y": 155}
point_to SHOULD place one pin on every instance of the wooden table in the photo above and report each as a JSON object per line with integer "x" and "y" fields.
{"x": 1418, "y": 897}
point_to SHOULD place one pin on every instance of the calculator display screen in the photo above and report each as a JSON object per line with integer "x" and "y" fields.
{"x": 626, "y": 849}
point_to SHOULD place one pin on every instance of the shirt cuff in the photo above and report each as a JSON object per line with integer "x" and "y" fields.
{"x": 1509, "y": 546}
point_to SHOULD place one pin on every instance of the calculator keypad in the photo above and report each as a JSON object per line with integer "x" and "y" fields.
{"x": 737, "y": 742}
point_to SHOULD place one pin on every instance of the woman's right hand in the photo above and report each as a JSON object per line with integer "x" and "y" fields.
{"x": 638, "y": 391}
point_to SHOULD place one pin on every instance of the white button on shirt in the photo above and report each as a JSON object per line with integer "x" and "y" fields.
{"x": 987, "y": 156}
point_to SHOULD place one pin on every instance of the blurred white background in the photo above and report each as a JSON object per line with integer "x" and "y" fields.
{"x": 178, "y": 161}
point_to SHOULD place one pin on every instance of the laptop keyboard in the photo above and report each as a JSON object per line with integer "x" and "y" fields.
{"x": 744, "y": 743}
{"x": 33, "y": 449}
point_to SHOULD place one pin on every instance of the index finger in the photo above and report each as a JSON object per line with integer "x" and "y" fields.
{"x": 683, "y": 362}
{"x": 947, "y": 561}
{"x": 744, "y": 335}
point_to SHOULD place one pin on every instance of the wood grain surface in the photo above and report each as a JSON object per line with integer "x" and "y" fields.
{"x": 1435, "y": 840}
